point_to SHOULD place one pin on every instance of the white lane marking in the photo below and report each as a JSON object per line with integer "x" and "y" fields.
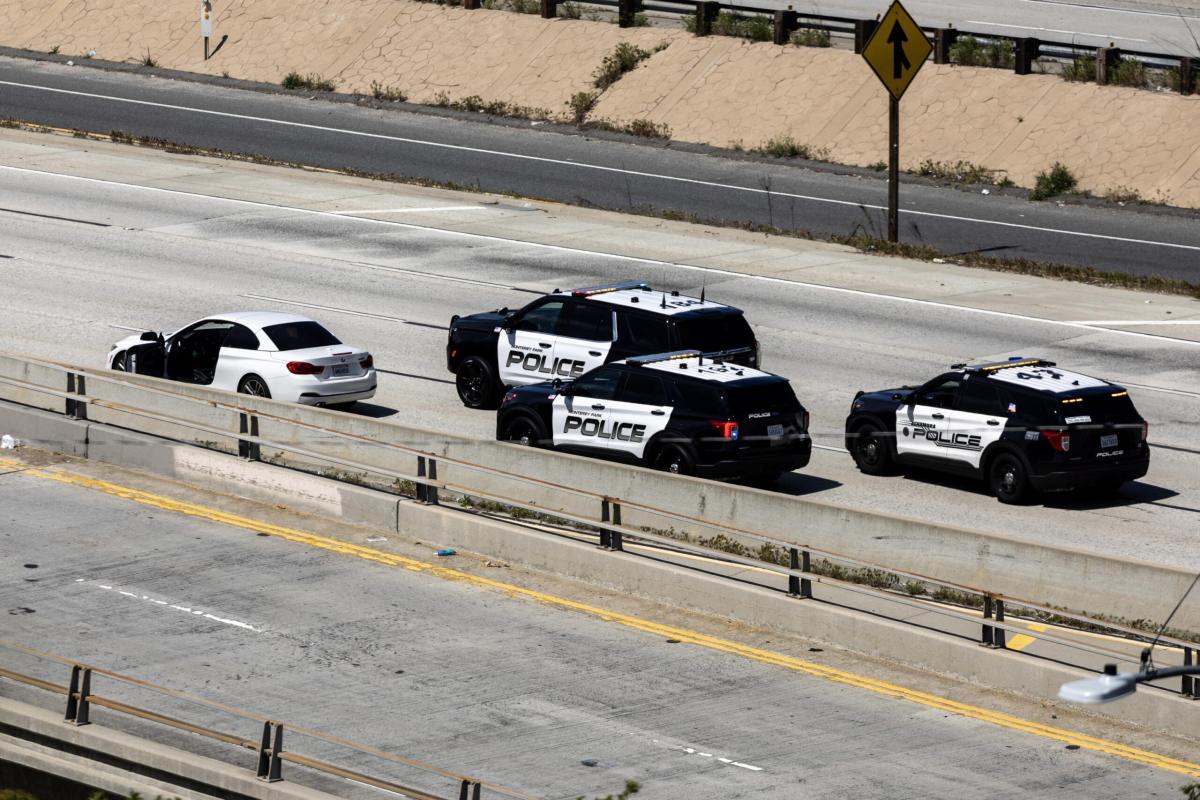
{"x": 409, "y": 210}
{"x": 1180, "y": 392}
{"x": 1109, "y": 10}
{"x": 600, "y": 168}
{"x": 125, "y": 328}
{"x": 434, "y": 276}
{"x": 324, "y": 308}
{"x": 1138, "y": 321}
{"x": 691, "y": 751}
{"x": 1053, "y": 30}
{"x": 619, "y": 257}
{"x": 830, "y": 449}
{"x": 168, "y": 604}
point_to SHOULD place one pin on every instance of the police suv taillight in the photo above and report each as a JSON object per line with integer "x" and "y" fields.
{"x": 726, "y": 430}
{"x": 803, "y": 419}
{"x": 1059, "y": 440}
{"x": 1145, "y": 430}
{"x": 304, "y": 368}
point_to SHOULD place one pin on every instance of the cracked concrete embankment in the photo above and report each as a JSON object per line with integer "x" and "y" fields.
{"x": 714, "y": 90}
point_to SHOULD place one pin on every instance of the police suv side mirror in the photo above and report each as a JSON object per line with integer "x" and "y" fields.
{"x": 509, "y": 322}
{"x": 567, "y": 391}
{"x": 148, "y": 336}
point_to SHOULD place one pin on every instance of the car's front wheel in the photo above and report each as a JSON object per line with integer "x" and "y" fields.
{"x": 475, "y": 383}
{"x": 1009, "y": 479}
{"x": 120, "y": 362}
{"x": 252, "y": 384}
{"x": 871, "y": 451}
{"x": 524, "y": 430}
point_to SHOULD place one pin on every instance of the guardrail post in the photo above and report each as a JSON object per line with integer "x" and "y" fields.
{"x": 549, "y": 9}
{"x": 270, "y": 767}
{"x": 1025, "y": 52}
{"x": 786, "y": 22}
{"x": 76, "y": 409}
{"x": 470, "y": 5}
{"x": 468, "y": 789}
{"x": 425, "y": 493}
{"x": 797, "y": 586}
{"x": 986, "y": 640}
{"x": 1187, "y": 75}
{"x": 431, "y": 492}
{"x": 605, "y": 533}
{"x": 863, "y": 28}
{"x": 248, "y": 424}
{"x": 611, "y": 539}
{"x": 943, "y": 40}
{"x": 998, "y": 640}
{"x": 706, "y": 12}
{"x": 78, "y": 693}
{"x": 1107, "y": 59}
{"x": 626, "y": 9}
{"x": 1189, "y": 681}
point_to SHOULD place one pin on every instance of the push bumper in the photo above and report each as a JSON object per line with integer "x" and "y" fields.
{"x": 1091, "y": 475}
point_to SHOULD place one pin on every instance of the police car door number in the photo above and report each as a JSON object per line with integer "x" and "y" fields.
{"x": 1109, "y": 440}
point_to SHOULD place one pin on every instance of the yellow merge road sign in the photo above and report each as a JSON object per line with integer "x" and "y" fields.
{"x": 897, "y": 49}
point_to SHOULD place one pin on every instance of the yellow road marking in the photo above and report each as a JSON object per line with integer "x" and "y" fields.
{"x": 1019, "y": 642}
{"x": 703, "y": 640}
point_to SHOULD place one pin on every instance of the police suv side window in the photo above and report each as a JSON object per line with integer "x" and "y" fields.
{"x": 542, "y": 319}
{"x": 939, "y": 393}
{"x": 645, "y": 389}
{"x": 642, "y": 334}
{"x": 701, "y": 398}
{"x": 977, "y": 397}
{"x": 599, "y": 384}
{"x": 585, "y": 321}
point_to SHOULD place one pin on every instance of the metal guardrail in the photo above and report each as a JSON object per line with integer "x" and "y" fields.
{"x": 81, "y": 695}
{"x": 606, "y": 523}
{"x": 1025, "y": 50}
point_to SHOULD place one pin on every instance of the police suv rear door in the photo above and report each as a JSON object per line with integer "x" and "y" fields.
{"x": 979, "y": 417}
{"x": 585, "y": 337}
{"x": 641, "y": 410}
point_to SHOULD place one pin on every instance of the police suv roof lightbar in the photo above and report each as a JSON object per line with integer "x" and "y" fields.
{"x": 675, "y": 355}
{"x": 610, "y": 287}
{"x": 1015, "y": 361}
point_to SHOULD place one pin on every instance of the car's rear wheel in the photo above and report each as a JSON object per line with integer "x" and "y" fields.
{"x": 525, "y": 430}
{"x": 1009, "y": 479}
{"x": 475, "y": 383}
{"x": 674, "y": 459}
{"x": 872, "y": 451}
{"x": 120, "y": 362}
{"x": 252, "y": 384}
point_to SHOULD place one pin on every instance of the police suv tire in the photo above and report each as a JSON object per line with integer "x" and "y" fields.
{"x": 1008, "y": 479}
{"x": 120, "y": 362}
{"x": 476, "y": 383}
{"x": 524, "y": 429}
{"x": 674, "y": 459}
{"x": 871, "y": 450}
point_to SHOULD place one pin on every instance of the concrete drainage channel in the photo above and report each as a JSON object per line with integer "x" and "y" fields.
{"x": 789, "y": 597}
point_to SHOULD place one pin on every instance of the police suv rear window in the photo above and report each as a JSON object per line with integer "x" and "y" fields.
{"x": 713, "y": 333}
{"x": 300, "y": 335}
{"x": 775, "y": 397}
{"x": 1097, "y": 408}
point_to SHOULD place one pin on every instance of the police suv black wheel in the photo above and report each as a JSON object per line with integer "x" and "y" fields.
{"x": 674, "y": 459}
{"x": 475, "y": 383}
{"x": 872, "y": 451}
{"x": 524, "y": 430}
{"x": 119, "y": 363}
{"x": 1008, "y": 479}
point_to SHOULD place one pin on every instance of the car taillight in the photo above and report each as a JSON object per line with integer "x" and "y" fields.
{"x": 1145, "y": 430}
{"x": 367, "y": 361}
{"x": 727, "y": 430}
{"x": 804, "y": 421}
{"x": 304, "y": 368}
{"x": 509, "y": 397}
{"x": 756, "y": 356}
{"x": 1059, "y": 440}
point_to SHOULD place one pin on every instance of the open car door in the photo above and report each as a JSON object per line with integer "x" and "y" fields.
{"x": 148, "y": 357}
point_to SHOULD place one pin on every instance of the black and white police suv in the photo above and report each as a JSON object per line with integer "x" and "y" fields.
{"x": 682, "y": 412}
{"x": 564, "y": 334}
{"x": 1021, "y": 425}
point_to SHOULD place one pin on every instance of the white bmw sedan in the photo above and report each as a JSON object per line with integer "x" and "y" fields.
{"x": 263, "y": 353}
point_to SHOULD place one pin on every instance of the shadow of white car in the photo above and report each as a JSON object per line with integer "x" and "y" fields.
{"x": 263, "y": 353}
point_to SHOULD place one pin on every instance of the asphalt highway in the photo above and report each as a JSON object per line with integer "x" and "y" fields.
{"x": 499, "y": 682}
{"x": 610, "y": 173}
{"x": 90, "y": 261}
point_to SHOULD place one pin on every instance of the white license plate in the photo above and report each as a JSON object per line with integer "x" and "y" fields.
{"x": 341, "y": 369}
{"x": 774, "y": 430}
{"x": 1108, "y": 441}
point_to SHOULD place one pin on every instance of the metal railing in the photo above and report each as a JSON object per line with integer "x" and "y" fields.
{"x": 605, "y": 522}
{"x": 83, "y": 691}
